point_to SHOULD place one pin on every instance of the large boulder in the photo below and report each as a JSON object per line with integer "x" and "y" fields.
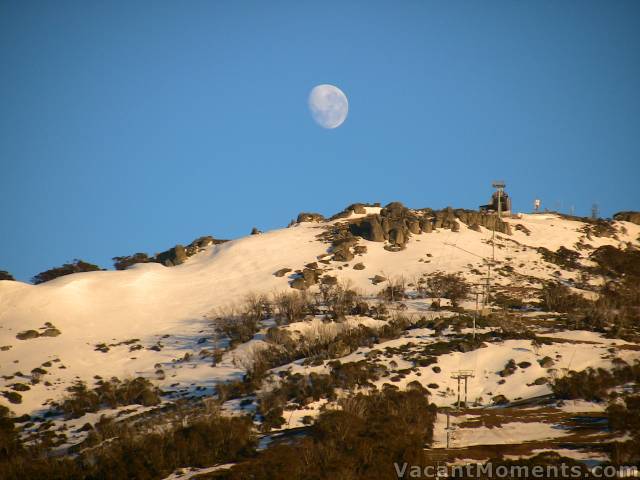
{"x": 310, "y": 276}
{"x": 299, "y": 284}
{"x": 414, "y": 225}
{"x": 490, "y": 221}
{"x": 426, "y": 224}
{"x": 173, "y": 256}
{"x": 633, "y": 217}
{"x": 397, "y": 236}
{"x": 369, "y": 228}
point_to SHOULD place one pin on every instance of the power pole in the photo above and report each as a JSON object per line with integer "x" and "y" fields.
{"x": 595, "y": 211}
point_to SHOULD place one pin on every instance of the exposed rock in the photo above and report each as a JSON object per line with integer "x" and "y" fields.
{"x": 397, "y": 236}
{"x": 359, "y": 266}
{"x": 500, "y": 400}
{"x": 343, "y": 255}
{"x": 426, "y": 224}
{"x": 201, "y": 243}
{"x": 394, "y": 210}
{"x": 299, "y": 284}
{"x": 546, "y": 362}
{"x": 524, "y": 364}
{"x": 282, "y": 272}
{"x": 173, "y": 256}
{"x": 484, "y": 219}
{"x": 540, "y": 381}
{"x": 369, "y": 228}
{"x": 360, "y": 249}
{"x": 633, "y": 217}
{"x": 414, "y": 226}
{"x": 378, "y": 279}
{"x": 341, "y": 248}
{"x": 357, "y": 208}
{"x": 310, "y": 217}
{"x": 310, "y": 276}
{"x": 329, "y": 280}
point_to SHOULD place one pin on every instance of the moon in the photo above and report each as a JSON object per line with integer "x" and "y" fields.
{"x": 328, "y": 105}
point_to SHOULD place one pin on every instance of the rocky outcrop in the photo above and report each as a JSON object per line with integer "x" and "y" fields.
{"x": 200, "y": 244}
{"x": 310, "y": 217}
{"x": 396, "y": 223}
{"x": 179, "y": 254}
{"x": 173, "y": 256}
{"x": 298, "y": 284}
{"x": 633, "y": 217}
{"x": 354, "y": 208}
{"x": 475, "y": 219}
{"x": 306, "y": 278}
{"x": 369, "y": 228}
{"x": 282, "y": 272}
{"x": 341, "y": 248}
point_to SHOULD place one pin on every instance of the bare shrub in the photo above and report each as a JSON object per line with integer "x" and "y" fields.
{"x": 291, "y": 306}
{"x": 447, "y": 285}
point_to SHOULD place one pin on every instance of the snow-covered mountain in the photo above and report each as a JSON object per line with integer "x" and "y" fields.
{"x": 164, "y": 323}
{"x": 174, "y": 306}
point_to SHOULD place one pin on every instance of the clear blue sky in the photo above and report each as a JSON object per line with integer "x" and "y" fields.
{"x": 133, "y": 126}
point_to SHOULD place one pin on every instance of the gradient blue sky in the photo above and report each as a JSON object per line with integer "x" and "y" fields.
{"x": 133, "y": 126}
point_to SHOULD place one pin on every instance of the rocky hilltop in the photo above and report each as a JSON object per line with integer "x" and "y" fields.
{"x": 375, "y": 309}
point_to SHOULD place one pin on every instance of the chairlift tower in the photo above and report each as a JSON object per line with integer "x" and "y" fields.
{"x": 462, "y": 375}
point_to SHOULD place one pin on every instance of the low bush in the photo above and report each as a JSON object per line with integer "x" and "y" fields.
{"x": 594, "y": 385}
{"x": 112, "y": 393}
{"x": 68, "y": 268}
{"x": 122, "y": 263}
{"x": 120, "y": 453}
{"x": 563, "y": 257}
{"x": 361, "y": 440}
{"x": 556, "y": 297}
{"x": 447, "y": 285}
{"x": 4, "y": 275}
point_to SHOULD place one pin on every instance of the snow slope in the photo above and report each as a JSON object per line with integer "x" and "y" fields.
{"x": 151, "y": 303}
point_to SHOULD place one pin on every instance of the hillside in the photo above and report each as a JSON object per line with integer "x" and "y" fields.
{"x": 181, "y": 327}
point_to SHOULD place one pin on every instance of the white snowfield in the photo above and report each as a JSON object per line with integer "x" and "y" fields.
{"x": 152, "y": 303}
